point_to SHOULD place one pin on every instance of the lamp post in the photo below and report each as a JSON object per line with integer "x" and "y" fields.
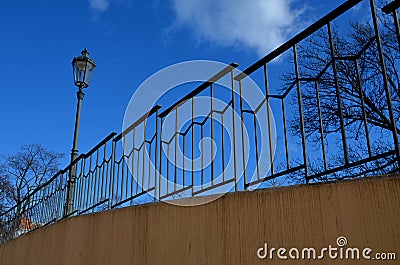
{"x": 82, "y": 67}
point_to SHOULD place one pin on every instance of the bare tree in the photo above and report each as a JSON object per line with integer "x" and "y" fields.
{"x": 21, "y": 173}
{"x": 359, "y": 79}
{"x": 5, "y": 192}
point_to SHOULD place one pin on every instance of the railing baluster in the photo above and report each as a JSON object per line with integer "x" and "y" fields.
{"x": 321, "y": 125}
{"x": 364, "y": 113}
{"x": 256, "y": 145}
{"x": 285, "y": 133}
{"x": 212, "y": 131}
{"x": 385, "y": 81}
{"x": 192, "y": 145}
{"x": 202, "y": 156}
{"x": 301, "y": 113}
{"x": 222, "y": 147}
{"x": 176, "y": 150}
{"x": 160, "y": 158}
{"x": 156, "y": 158}
{"x": 268, "y": 107}
{"x": 243, "y": 145}
{"x": 233, "y": 143}
{"x": 338, "y": 97}
{"x": 144, "y": 152}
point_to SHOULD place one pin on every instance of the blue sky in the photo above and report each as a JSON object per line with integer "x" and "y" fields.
{"x": 129, "y": 40}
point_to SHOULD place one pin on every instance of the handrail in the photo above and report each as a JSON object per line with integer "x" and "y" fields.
{"x": 389, "y": 8}
{"x": 299, "y": 37}
{"x": 200, "y": 88}
{"x": 137, "y": 122}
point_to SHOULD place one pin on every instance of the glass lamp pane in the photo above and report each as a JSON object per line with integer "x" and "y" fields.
{"x": 79, "y": 72}
{"x": 88, "y": 77}
{"x": 89, "y": 72}
{"x": 81, "y": 65}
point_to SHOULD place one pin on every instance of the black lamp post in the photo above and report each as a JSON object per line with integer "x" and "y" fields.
{"x": 83, "y": 68}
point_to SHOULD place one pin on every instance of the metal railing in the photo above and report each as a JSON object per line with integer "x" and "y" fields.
{"x": 318, "y": 121}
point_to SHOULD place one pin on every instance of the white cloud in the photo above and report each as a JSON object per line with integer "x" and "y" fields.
{"x": 259, "y": 24}
{"x": 99, "y": 5}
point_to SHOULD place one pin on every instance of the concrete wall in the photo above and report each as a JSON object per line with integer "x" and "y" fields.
{"x": 229, "y": 230}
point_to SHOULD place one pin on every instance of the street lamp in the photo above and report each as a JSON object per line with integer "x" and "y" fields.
{"x": 82, "y": 67}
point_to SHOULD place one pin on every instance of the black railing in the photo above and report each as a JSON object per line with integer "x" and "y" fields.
{"x": 331, "y": 114}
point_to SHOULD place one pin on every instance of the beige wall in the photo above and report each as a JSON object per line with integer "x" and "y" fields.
{"x": 227, "y": 231}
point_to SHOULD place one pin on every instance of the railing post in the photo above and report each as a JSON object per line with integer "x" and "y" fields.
{"x": 385, "y": 81}
{"x": 156, "y": 157}
{"x": 234, "y": 129}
